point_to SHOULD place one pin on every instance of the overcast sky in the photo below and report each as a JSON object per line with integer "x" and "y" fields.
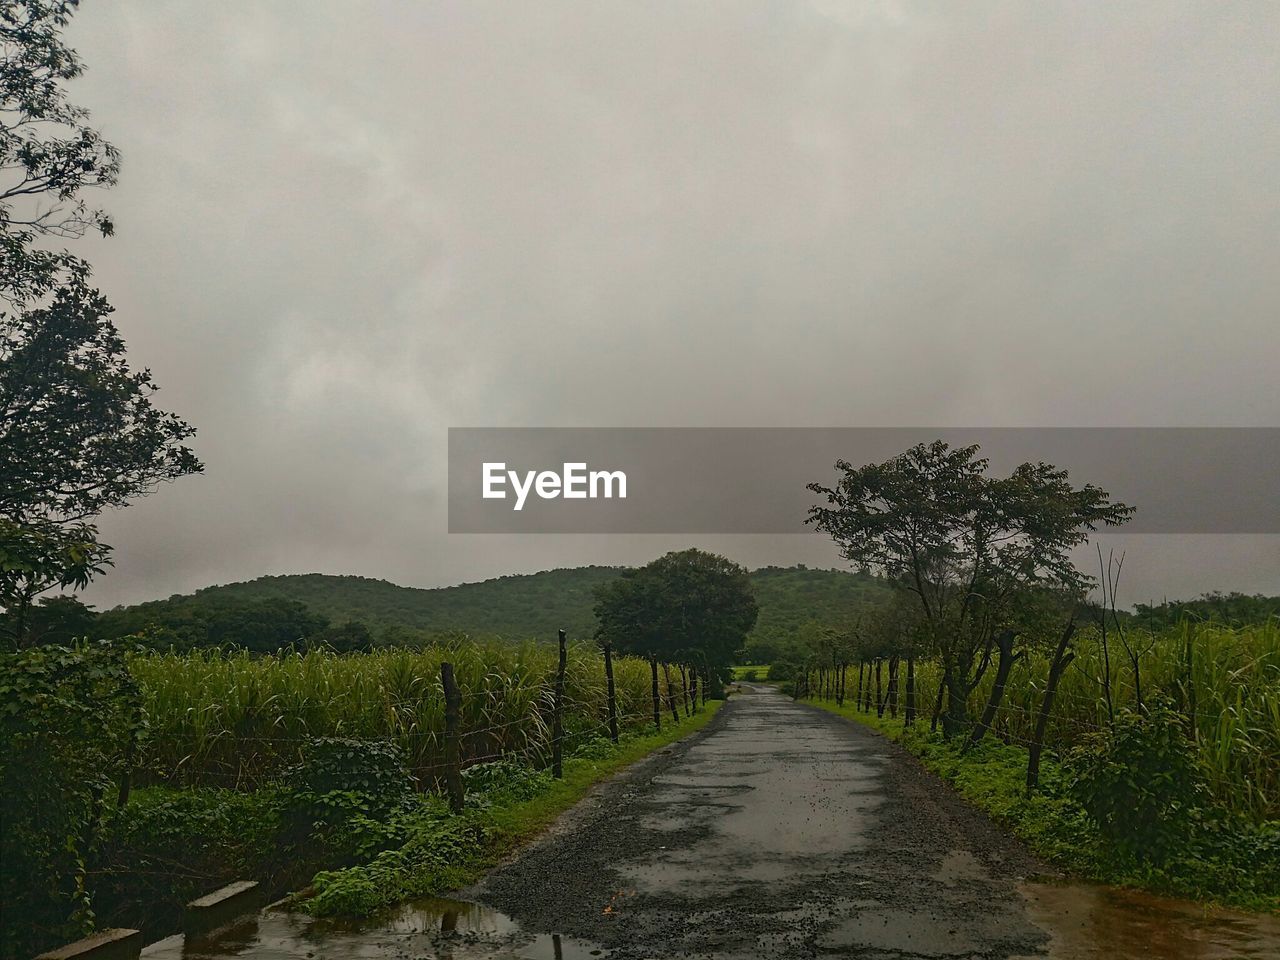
{"x": 344, "y": 228}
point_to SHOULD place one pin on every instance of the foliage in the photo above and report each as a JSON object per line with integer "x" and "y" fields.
{"x": 1222, "y": 857}
{"x": 34, "y": 557}
{"x": 80, "y": 433}
{"x": 78, "y": 430}
{"x": 1140, "y": 782}
{"x": 1225, "y": 681}
{"x": 48, "y": 152}
{"x": 687, "y": 606}
{"x": 434, "y": 851}
{"x": 166, "y": 847}
{"x": 258, "y": 626}
{"x": 69, "y": 721}
{"x": 1229, "y": 609}
{"x": 971, "y": 548}
{"x": 233, "y": 719}
{"x": 522, "y": 607}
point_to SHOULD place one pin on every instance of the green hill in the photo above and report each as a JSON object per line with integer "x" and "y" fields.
{"x": 517, "y": 607}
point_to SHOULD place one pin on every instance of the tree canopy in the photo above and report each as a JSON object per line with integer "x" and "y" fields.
{"x": 685, "y": 606}
{"x": 974, "y": 550}
{"x": 78, "y": 430}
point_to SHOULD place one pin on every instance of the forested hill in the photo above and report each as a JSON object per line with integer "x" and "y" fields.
{"x": 516, "y": 607}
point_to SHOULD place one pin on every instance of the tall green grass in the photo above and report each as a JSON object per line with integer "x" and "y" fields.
{"x": 232, "y": 719}
{"x": 1226, "y": 680}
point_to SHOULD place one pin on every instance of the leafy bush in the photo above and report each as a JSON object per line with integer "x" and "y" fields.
{"x": 69, "y": 722}
{"x": 783, "y": 669}
{"x": 166, "y": 847}
{"x": 374, "y": 767}
{"x": 1140, "y": 782}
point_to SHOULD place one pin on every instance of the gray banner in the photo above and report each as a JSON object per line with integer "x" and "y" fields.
{"x": 753, "y": 479}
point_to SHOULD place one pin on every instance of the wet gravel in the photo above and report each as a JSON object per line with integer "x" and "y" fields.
{"x": 779, "y": 830}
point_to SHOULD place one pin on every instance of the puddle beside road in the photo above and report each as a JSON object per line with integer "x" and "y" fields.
{"x": 1106, "y": 923}
{"x": 434, "y": 929}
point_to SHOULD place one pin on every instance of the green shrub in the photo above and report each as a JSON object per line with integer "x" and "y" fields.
{"x": 1140, "y": 782}
{"x": 168, "y": 846}
{"x": 69, "y": 722}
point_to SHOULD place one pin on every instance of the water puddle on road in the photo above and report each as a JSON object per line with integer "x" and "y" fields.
{"x": 434, "y": 929}
{"x": 1107, "y": 923}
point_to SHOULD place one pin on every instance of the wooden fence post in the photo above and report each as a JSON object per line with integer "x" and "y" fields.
{"x": 613, "y": 696}
{"x": 911, "y": 692}
{"x": 452, "y": 739}
{"x": 671, "y": 693}
{"x": 557, "y": 717}
{"x": 657, "y": 704}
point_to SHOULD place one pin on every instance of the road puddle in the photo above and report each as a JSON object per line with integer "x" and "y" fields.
{"x": 435, "y": 929}
{"x": 1106, "y": 923}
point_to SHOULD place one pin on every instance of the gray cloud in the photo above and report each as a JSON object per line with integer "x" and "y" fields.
{"x": 343, "y": 229}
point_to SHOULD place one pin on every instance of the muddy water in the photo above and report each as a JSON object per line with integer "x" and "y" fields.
{"x": 438, "y": 929}
{"x": 1088, "y": 922}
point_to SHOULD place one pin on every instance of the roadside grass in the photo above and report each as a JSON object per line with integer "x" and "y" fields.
{"x": 1234, "y": 866}
{"x": 432, "y": 852}
{"x": 751, "y": 673}
{"x": 373, "y": 847}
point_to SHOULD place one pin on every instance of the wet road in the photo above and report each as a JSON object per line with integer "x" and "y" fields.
{"x": 778, "y": 831}
{"x": 782, "y": 832}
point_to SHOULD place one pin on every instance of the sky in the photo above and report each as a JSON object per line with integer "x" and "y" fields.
{"x": 342, "y": 229}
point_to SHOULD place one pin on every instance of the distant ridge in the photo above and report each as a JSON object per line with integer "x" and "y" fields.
{"x": 524, "y": 606}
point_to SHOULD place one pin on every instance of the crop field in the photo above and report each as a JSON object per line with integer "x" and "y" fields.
{"x": 235, "y": 720}
{"x": 1225, "y": 681}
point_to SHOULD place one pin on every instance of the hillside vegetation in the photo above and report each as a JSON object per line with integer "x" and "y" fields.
{"x": 514, "y": 607}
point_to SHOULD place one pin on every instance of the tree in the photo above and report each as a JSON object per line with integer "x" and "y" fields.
{"x": 967, "y": 546}
{"x": 48, "y": 152}
{"x": 688, "y": 606}
{"x": 59, "y": 619}
{"x": 78, "y": 431}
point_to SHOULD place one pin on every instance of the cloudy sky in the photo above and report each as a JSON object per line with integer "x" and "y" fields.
{"x": 344, "y": 228}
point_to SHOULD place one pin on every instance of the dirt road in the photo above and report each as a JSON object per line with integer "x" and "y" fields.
{"x": 781, "y": 831}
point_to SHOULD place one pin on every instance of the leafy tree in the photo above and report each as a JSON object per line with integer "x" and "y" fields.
{"x": 350, "y": 637}
{"x": 48, "y": 152}
{"x": 60, "y": 620}
{"x": 688, "y": 606}
{"x": 259, "y": 626}
{"x": 969, "y": 547}
{"x": 35, "y": 557}
{"x": 78, "y": 431}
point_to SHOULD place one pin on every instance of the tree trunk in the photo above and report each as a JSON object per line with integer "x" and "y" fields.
{"x": 1062, "y": 657}
{"x": 1004, "y": 643}
{"x": 937, "y": 701}
{"x": 879, "y": 701}
{"x": 956, "y": 715}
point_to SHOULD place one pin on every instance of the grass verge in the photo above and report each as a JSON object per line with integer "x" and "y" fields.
{"x": 1233, "y": 863}
{"x": 426, "y": 851}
